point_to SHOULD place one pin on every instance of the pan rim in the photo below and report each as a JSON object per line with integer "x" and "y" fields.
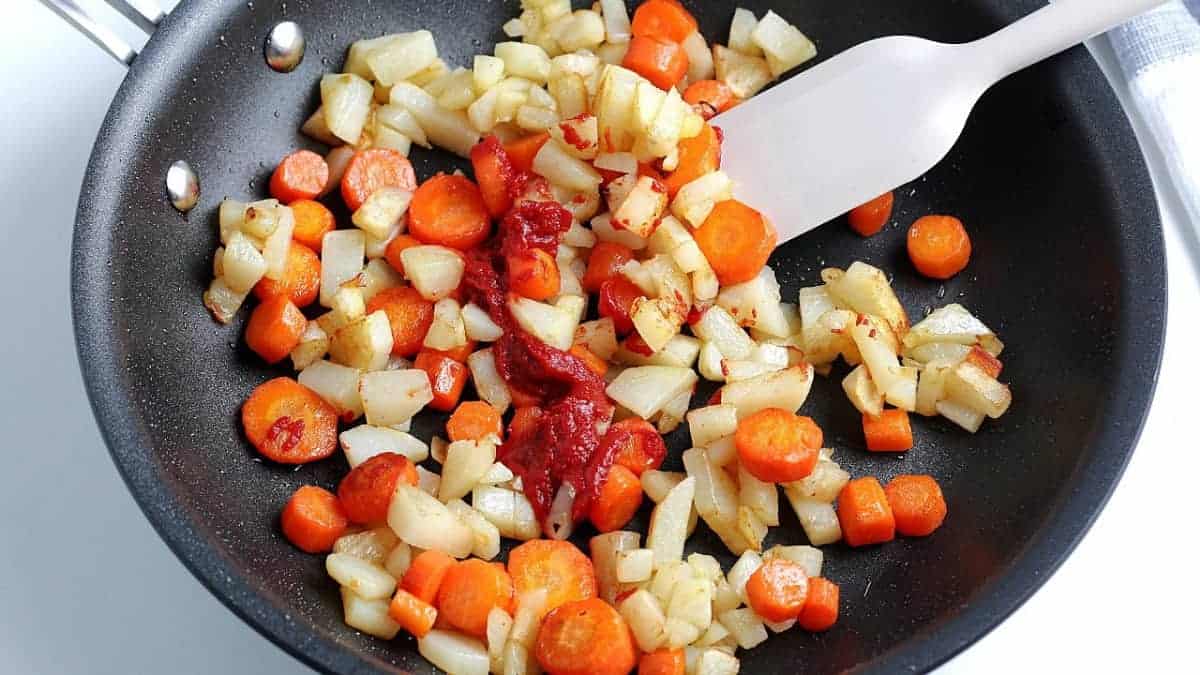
{"x": 114, "y": 410}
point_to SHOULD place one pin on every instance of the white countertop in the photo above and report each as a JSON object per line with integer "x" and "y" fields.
{"x": 87, "y": 587}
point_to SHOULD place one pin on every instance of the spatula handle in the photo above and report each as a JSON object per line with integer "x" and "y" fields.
{"x": 1052, "y": 29}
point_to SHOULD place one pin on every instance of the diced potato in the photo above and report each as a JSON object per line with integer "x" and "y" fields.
{"x": 497, "y": 474}
{"x": 368, "y": 616}
{"x": 420, "y": 520}
{"x": 808, "y": 557}
{"x": 428, "y": 481}
{"x": 716, "y": 633}
{"x": 696, "y": 199}
{"x": 878, "y": 356}
{"x": 312, "y": 347}
{"x": 604, "y": 230}
{"x": 612, "y": 53}
{"x": 823, "y": 484}
{"x": 449, "y": 129}
{"x": 718, "y": 327}
{"x": 364, "y": 441}
{"x": 759, "y": 496}
{"x": 646, "y": 620}
{"x": 786, "y": 389}
{"x": 371, "y": 546}
{"x": 435, "y": 271}
{"x": 819, "y": 520}
{"x": 524, "y": 60}
{"x": 585, "y": 30}
{"x": 487, "y": 72}
{"x": 745, "y": 626}
{"x": 657, "y": 484}
{"x": 669, "y": 521}
{"x": 399, "y": 118}
{"x": 382, "y": 210}
{"x": 751, "y": 528}
{"x": 499, "y": 625}
{"x": 398, "y": 560}
{"x": 740, "y": 573}
{"x": 723, "y": 451}
{"x": 716, "y": 499}
{"x": 531, "y": 607}
{"x": 953, "y": 323}
{"x": 755, "y": 304}
{"x": 531, "y": 118}
{"x": 478, "y": 325}
{"x": 316, "y": 128}
{"x": 342, "y": 253}
{"x": 486, "y": 536}
{"x": 641, "y": 209}
{"x": 393, "y": 396}
{"x": 938, "y": 351}
{"x": 700, "y": 60}
{"x": 710, "y": 363}
{"x": 903, "y": 392}
{"x": 862, "y": 392}
{"x": 560, "y": 168}
{"x": 402, "y": 56}
{"x": 931, "y": 387}
{"x": 488, "y": 382}
{"x": 545, "y": 322}
{"x": 346, "y": 100}
{"x": 508, "y": 510}
{"x": 387, "y": 137}
{"x": 865, "y": 289}
{"x": 570, "y": 94}
{"x": 782, "y": 43}
{"x": 691, "y": 601}
{"x": 970, "y": 386}
{"x": 466, "y": 462}
{"x": 366, "y": 580}
{"x": 377, "y": 276}
{"x": 242, "y": 265}
{"x": 711, "y": 423}
{"x": 454, "y": 652}
{"x": 646, "y": 389}
{"x": 447, "y": 330}
{"x": 741, "y": 30}
{"x": 599, "y": 336}
{"x": 337, "y": 384}
{"x": 713, "y": 661}
{"x": 365, "y": 343}
{"x": 578, "y": 136}
{"x": 744, "y": 75}
{"x": 635, "y": 565}
{"x": 275, "y": 247}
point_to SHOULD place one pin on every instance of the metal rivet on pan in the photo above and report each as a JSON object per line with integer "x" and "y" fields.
{"x": 183, "y": 186}
{"x": 285, "y": 47}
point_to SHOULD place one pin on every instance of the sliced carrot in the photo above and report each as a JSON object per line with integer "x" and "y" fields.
{"x": 313, "y": 221}
{"x": 663, "y": 19}
{"x": 604, "y": 263}
{"x": 821, "y": 607}
{"x": 533, "y": 274}
{"x": 662, "y": 61}
{"x": 982, "y": 358}
{"x": 313, "y": 520}
{"x": 778, "y": 446}
{"x": 586, "y": 637}
{"x": 594, "y": 363}
{"x": 618, "y": 499}
{"x": 409, "y": 314}
{"x": 274, "y": 329}
{"x": 425, "y": 573}
{"x": 643, "y": 450}
{"x": 470, "y": 590}
{"x": 459, "y": 353}
{"x": 473, "y": 421}
{"x": 413, "y": 614}
{"x": 737, "y": 240}
{"x": 447, "y": 377}
{"x": 495, "y": 174}
{"x": 917, "y": 504}
{"x": 367, "y": 490}
{"x": 711, "y": 97}
{"x": 522, "y": 151}
{"x": 869, "y": 218}
{"x": 557, "y": 566}
{"x": 301, "y": 175}
{"x": 289, "y": 423}
{"x": 663, "y": 662}
{"x": 939, "y": 246}
{"x": 395, "y": 247}
{"x": 616, "y": 302}
{"x": 524, "y": 421}
{"x": 889, "y": 432}
{"x": 301, "y": 282}
{"x": 777, "y": 590}
{"x": 864, "y": 513}
{"x": 698, "y": 155}
{"x": 372, "y": 169}
{"x": 449, "y": 211}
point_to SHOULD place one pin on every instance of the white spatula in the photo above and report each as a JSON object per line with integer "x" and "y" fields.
{"x": 882, "y": 113}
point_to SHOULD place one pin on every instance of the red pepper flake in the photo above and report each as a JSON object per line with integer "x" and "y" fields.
{"x": 657, "y": 185}
{"x": 835, "y": 331}
{"x": 872, "y": 333}
{"x": 285, "y": 434}
{"x": 860, "y": 320}
{"x": 571, "y": 136}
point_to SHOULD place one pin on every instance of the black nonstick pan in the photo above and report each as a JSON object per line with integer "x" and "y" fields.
{"x": 1068, "y": 269}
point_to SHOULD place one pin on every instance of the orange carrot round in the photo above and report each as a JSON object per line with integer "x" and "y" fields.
{"x": 413, "y": 614}
{"x": 664, "y": 20}
{"x": 605, "y": 263}
{"x": 698, "y": 155}
{"x": 313, "y": 520}
{"x": 616, "y": 302}
{"x": 917, "y": 504}
{"x": 301, "y": 282}
{"x": 533, "y": 274}
{"x": 367, "y": 490}
{"x": 594, "y": 363}
{"x": 939, "y": 246}
{"x": 663, "y": 662}
{"x": 777, "y": 446}
{"x": 472, "y": 421}
{"x": 890, "y": 431}
{"x": 661, "y": 61}
{"x": 274, "y": 329}
{"x": 618, "y": 499}
{"x": 372, "y": 169}
{"x": 470, "y": 590}
{"x": 495, "y": 174}
{"x": 821, "y": 607}
{"x": 300, "y": 175}
{"x": 289, "y": 423}
{"x": 864, "y": 513}
{"x": 869, "y": 218}
{"x": 712, "y": 97}
{"x": 313, "y": 221}
{"x": 585, "y": 637}
{"x": 557, "y": 566}
{"x": 635, "y": 453}
{"x": 737, "y": 240}
{"x": 425, "y": 573}
{"x": 777, "y": 590}
{"x": 447, "y": 377}
{"x": 522, "y": 151}
{"x": 448, "y": 210}
{"x": 409, "y": 314}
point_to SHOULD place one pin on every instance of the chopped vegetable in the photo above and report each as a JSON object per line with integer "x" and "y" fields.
{"x": 301, "y": 175}
{"x": 663, "y": 19}
{"x": 585, "y": 637}
{"x": 425, "y": 574}
{"x": 712, "y": 96}
{"x": 820, "y": 611}
{"x": 917, "y": 504}
{"x": 777, "y": 590}
{"x": 556, "y": 566}
{"x": 449, "y": 210}
{"x": 938, "y": 246}
{"x": 864, "y": 513}
{"x": 413, "y": 614}
{"x": 533, "y": 275}
{"x": 409, "y": 316}
{"x": 469, "y": 591}
{"x": 661, "y": 61}
{"x": 618, "y": 500}
{"x": 301, "y": 280}
{"x": 447, "y": 378}
{"x": 778, "y": 446}
{"x": 313, "y": 519}
{"x": 474, "y": 421}
{"x": 888, "y": 432}
{"x": 736, "y": 240}
{"x": 869, "y": 218}
{"x": 288, "y": 423}
{"x": 373, "y": 169}
{"x": 367, "y": 490}
{"x": 275, "y": 328}
{"x": 313, "y": 221}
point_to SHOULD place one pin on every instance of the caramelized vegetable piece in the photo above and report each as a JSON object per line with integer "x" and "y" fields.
{"x": 737, "y": 240}
{"x": 366, "y": 491}
{"x": 372, "y": 169}
{"x": 864, "y": 513}
{"x": 409, "y": 315}
{"x": 469, "y": 591}
{"x": 289, "y": 423}
{"x": 274, "y": 329}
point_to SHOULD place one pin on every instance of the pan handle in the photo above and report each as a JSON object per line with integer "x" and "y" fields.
{"x": 145, "y": 14}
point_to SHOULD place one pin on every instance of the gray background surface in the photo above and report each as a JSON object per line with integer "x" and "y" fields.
{"x": 87, "y": 587}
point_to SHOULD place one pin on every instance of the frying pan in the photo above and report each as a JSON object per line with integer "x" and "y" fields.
{"x": 1068, "y": 269}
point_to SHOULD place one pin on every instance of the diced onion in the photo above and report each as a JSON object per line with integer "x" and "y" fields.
{"x": 435, "y": 271}
{"x": 646, "y": 389}
{"x": 337, "y": 384}
{"x": 488, "y": 382}
{"x": 366, "y": 580}
{"x": 466, "y": 462}
{"x": 342, "y": 253}
{"x": 420, "y": 520}
{"x": 368, "y": 616}
{"x": 364, "y": 441}
{"x": 346, "y": 100}
{"x": 393, "y": 396}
